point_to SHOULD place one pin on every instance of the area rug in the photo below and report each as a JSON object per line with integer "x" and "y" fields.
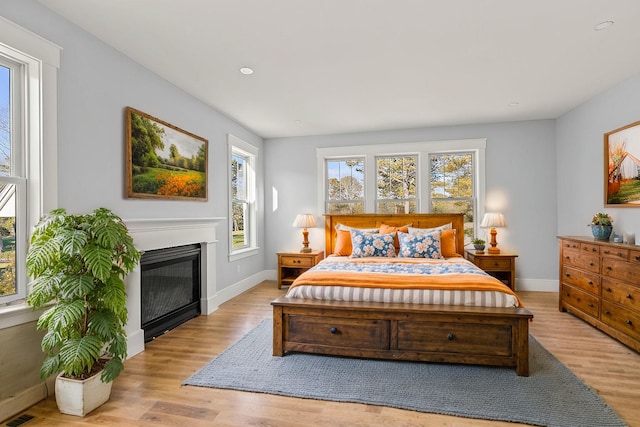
{"x": 551, "y": 396}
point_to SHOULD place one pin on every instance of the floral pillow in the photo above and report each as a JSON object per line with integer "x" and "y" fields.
{"x": 371, "y": 244}
{"x": 420, "y": 245}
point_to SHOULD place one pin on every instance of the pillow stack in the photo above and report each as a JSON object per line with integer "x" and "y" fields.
{"x": 389, "y": 241}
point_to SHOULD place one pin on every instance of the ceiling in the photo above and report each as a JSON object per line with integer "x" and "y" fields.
{"x": 339, "y": 66}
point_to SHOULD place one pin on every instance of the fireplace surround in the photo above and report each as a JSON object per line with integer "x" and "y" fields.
{"x": 153, "y": 234}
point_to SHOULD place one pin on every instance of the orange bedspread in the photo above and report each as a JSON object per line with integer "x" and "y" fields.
{"x": 371, "y": 279}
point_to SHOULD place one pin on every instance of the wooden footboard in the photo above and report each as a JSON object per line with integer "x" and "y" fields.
{"x": 429, "y": 333}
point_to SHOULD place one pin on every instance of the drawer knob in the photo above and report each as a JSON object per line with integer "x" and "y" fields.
{"x": 608, "y": 289}
{"x": 590, "y": 304}
{"x": 591, "y": 264}
{"x": 594, "y": 249}
{"x": 567, "y": 274}
{"x": 638, "y": 258}
{"x": 450, "y": 337}
{"x": 620, "y": 254}
{"x": 607, "y": 252}
{"x": 333, "y": 330}
{"x": 590, "y": 282}
{"x": 629, "y": 296}
{"x": 629, "y": 322}
{"x": 607, "y": 312}
{"x": 609, "y": 268}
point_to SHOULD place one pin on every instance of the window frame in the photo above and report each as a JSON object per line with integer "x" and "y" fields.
{"x": 423, "y": 150}
{"x": 415, "y": 198}
{"x": 238, "y": 147}
{"x": 326, "y": 188}
{"x": 39, "y": 61}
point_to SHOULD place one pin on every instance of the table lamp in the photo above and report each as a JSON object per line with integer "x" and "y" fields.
{"x": 493, "y": 220}
{"x": 305, "y": 221}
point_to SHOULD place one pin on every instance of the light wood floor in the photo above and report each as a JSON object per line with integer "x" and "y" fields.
{"x": 148, "y": 392}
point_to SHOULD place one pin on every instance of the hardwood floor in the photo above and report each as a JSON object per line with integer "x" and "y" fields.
{"x": 148, "y": 392}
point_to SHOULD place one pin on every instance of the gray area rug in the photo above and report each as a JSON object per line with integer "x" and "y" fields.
{"x": 551, "y": 396}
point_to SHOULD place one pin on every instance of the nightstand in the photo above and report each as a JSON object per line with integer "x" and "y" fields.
{"x": 502, "y": 266}
{"x": 293, "y": 264}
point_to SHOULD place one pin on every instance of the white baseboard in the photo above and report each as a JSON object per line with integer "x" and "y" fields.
{"x": 26, "y": 398}
{"x": 537, "y": 285}
{"x": 237, "y": 288}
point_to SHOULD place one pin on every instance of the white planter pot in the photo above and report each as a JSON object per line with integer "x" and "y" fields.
{"x": 79, "y": 397}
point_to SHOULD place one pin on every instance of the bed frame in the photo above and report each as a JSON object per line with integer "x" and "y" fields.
{"x": 417, "y": 332}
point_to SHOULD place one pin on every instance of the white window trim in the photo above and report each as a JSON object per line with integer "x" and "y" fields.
{"x": 42, "y": 59}
{"x": 236, "y": 144}
{"x": 422, "y": 150}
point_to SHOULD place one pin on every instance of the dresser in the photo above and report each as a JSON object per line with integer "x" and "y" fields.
{"x": 600, "y": 284}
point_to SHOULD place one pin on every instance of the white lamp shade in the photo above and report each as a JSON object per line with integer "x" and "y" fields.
{"x": 304, "y": 221}
{"x": 493, "y": 219}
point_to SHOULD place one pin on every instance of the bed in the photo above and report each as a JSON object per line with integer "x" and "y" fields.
{"x": 446, "y": 330}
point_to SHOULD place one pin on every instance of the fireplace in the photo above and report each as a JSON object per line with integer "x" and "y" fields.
{"x": 170, "y": 288}
{"x": 160, "y": 233}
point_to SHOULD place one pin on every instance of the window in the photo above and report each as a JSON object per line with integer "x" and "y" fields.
{"x": 438, "y": 176}
{"x": 242, "y": 184}
{"x": 345, "y": 186}
{"x": 452, "y": 187}
{"x": 396, "y": 177}
{"x": 28, "y": 184}
{"x": 12, "y": 178}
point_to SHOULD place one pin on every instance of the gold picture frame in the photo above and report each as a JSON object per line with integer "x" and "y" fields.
{"x": 622, "y": 166}
{"x": 164, "y": 161}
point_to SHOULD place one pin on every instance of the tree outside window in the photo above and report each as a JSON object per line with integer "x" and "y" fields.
{"x": 345, "y": 186}
{"x": 452, "y": 188}
{"x": 7, "y": 191}
{"x": 396, "y": 184}
{"x": 239, "y": 202}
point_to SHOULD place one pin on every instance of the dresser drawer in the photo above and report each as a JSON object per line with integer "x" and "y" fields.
{"x": 582, "y": 279}
{"x": 570, "y": 244}
{"x": 620, "y": 270}
{"x": 621, "y": 293}
{"x": 583, "y": 301}
{"x": 295, "y": 261}
{"x": 634, "y": 257}
{"x": 339, "y": 332}
{"x": 489, "y": 264}
{"x": 626, "y": 321}
{"x": 613, "y": 252}
{"x": 590, "y": 248}
{"x": 581, "y": 260}
{"x": 455, "y": 338}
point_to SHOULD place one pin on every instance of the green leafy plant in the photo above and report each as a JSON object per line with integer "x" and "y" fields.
{"x": 601, "y": 219}
{"x": 478, "y": 241}
{"x": 78, "y": 263}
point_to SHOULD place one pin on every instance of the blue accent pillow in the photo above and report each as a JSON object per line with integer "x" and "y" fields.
{"x": 371, "y": 244}
{"x": 420, "y": 245}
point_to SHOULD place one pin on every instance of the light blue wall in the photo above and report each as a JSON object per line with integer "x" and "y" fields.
{"x": 520, "y": 167}
{"x": 580, "y": 159}
{"x": 95, "y": 84}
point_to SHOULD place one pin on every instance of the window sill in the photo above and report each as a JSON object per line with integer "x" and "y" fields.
{"x": 243, "y": 253}
{"x": 17, "y": 314}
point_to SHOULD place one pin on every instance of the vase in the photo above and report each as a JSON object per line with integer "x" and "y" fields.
{"x": 479, "y": 246}
{"x": 602, "y": 231}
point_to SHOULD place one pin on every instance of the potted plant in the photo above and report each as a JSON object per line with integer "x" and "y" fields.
{"x": 77, "y": 264}
{"x": 478, "y": 244}
{"x": 601, "y": 226}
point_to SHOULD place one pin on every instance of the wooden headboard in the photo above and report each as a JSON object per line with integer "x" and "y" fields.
{"x": 395, "y": 220}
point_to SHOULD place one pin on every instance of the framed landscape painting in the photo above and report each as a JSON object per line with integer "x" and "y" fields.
{"x": 163, "y": 161}
{"x": 622, "y": 166}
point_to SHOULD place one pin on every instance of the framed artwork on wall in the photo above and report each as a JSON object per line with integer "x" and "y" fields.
{"x": 164, "y": 161}
{"x": 622, "y": 166}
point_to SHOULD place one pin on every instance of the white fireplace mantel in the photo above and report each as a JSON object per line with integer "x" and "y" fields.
{"x": 161, "y": 233}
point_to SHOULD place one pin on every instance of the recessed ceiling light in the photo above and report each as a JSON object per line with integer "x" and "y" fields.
{"x": 603, "y": 25}
{"x": 246, "y": 70}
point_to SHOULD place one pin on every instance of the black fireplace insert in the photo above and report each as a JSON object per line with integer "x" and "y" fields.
{"x": 170, "y": 282}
